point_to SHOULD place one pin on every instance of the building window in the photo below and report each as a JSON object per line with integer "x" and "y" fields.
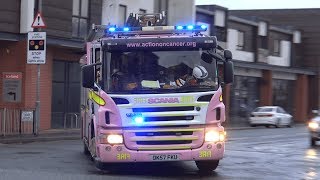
{"x": 276, "y": 47}
{"x": 240, "y": 44}
{"x": 142, "y": 11}
{"x": 122, "y": 15}
{"x": 80, "y": 18}
{"x": 263, "y": 42}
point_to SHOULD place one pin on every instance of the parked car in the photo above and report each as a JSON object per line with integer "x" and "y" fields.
{"x": 270, "y": 116}
{"x": 314, "y": 128}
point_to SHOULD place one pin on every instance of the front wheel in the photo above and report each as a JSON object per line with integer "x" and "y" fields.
{"x": 85, "y": 149}
{"x": 207, "y": 166}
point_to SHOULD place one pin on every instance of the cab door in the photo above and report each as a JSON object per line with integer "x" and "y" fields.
{"x": 95, "y": 57}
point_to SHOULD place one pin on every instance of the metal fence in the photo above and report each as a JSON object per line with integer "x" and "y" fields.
{"x": 71, "y": 120}
{"x": 16, "y": 121}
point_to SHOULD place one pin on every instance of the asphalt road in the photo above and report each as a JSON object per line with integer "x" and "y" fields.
{"x": 261, "y": 153}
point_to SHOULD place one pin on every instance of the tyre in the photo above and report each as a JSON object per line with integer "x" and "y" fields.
{"x": 277, "y": 125}
{"x": 85, "y": 149}
{"x": 290, "y": 124}
{"x": 207, "y": 166}
{"x": 252, "y": 125}
{"x": 312, "y": 142}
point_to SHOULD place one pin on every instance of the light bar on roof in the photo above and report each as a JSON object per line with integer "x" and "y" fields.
{"x": 156, "y": 29}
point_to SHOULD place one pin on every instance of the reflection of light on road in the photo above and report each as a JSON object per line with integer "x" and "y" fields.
{"x": 311, "y": 174}
{"x": 311, "y": 154}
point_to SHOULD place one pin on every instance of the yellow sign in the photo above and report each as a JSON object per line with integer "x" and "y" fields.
{"x": 123, "y": 156}
{"x": 205, "y": 154}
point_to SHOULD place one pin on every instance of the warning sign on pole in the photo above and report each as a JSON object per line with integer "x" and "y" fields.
{"x": 36, "y": 48}
{"x": 38, "y": 21}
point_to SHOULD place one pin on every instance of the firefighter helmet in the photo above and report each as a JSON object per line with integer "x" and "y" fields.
{"x": 199, "y": 72}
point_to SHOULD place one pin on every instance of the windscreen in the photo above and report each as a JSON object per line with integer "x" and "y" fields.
{"x": 139, "y": 72}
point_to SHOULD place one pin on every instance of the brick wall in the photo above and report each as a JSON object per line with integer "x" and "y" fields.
{"x": 13, "y": 57}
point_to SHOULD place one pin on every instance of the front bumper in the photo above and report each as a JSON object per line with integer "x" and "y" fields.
{"x": 119, "y": 153}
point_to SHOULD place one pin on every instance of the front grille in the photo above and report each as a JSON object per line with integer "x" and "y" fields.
{"x": 163, "y": 138}
{"x": 168, "y": 118}
{"x": 163, "y": 109}
{"x": 163, "y": 142}
{"x": 177, "y": 133}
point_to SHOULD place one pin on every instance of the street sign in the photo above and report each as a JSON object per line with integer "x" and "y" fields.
{"x": 36, "y": 48}
{"x": 38, "y": 22}
{"x": 26, "y": 116}
{"x": 12, "y": 86}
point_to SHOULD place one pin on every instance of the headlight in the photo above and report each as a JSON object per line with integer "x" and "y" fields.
{"x": 313, "y": 125}
{"x": 214, "y": 136}
{"x": 115, "y": 139}
{"x": 111, "y": 139}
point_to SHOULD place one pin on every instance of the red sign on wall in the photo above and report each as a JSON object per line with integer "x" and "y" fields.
{"x": 12, "y": 75}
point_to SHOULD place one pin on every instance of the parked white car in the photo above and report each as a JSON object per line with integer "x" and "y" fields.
{"x": 270, "y": 116}
{"x": 314, "y": 128}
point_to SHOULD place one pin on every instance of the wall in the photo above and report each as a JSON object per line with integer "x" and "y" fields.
{"x": 10, "y": 16}
{"x": 249, "y": 34}
{"x": 58, "y": 17}
{"x": 285, "y": 55}
{"x": 181, "y": 12}
{"x": 95, "y": 10}
{"x": 306, "y": 20}
{"x": 232, "y": 46}
{"x": 12, "y": 60}
{"x": 110, "y": 9}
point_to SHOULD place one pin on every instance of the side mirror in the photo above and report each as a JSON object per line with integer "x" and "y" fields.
{"x": 206, "y": 58}
{"x": 228, "y": 72}
{"x": 88, "y": 76}
{"x": 227, "y": 54}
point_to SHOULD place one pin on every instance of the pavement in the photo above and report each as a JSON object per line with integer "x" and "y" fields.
{"x": 74, "y": 134}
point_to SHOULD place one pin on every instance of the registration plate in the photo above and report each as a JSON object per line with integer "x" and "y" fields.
{"x": 164, "y": 157}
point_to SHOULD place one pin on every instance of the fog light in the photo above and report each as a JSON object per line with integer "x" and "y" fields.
{"x": 115, "y": 139}
{"x": 108, "y": 148}
{"x": 313, "y": 125}
{"x": 219, "y": 146}
{"x": 209, "y": 146}
{"x": 119, "y": 148}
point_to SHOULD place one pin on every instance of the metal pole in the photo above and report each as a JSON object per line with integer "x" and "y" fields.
{"x": 38, "y": 9}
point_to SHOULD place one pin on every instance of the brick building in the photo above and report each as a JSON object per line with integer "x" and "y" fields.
{"x": 270, "y": 63}
{"x": 307, "y": 21}
{"x": 67, "y": 24}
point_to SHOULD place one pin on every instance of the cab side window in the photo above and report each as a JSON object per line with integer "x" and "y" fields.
{"x": 98, "y": 68}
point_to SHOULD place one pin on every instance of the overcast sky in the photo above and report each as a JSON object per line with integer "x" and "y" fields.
{"x": 262, "y": 4}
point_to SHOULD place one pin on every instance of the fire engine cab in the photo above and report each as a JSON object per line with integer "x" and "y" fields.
{"x": 154, "y": 93}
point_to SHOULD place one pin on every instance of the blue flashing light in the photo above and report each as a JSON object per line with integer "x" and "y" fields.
{"x": 203, "y": 27}
{"x": 125, "y": 29}
{"x": 138, "y": 119}
{"x": 179, "y": 27}
{"x": 112, "y": 29}
{"x": 190, "y": 27}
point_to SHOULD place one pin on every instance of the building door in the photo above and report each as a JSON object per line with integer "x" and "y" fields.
{"x": 65, "y": 94}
